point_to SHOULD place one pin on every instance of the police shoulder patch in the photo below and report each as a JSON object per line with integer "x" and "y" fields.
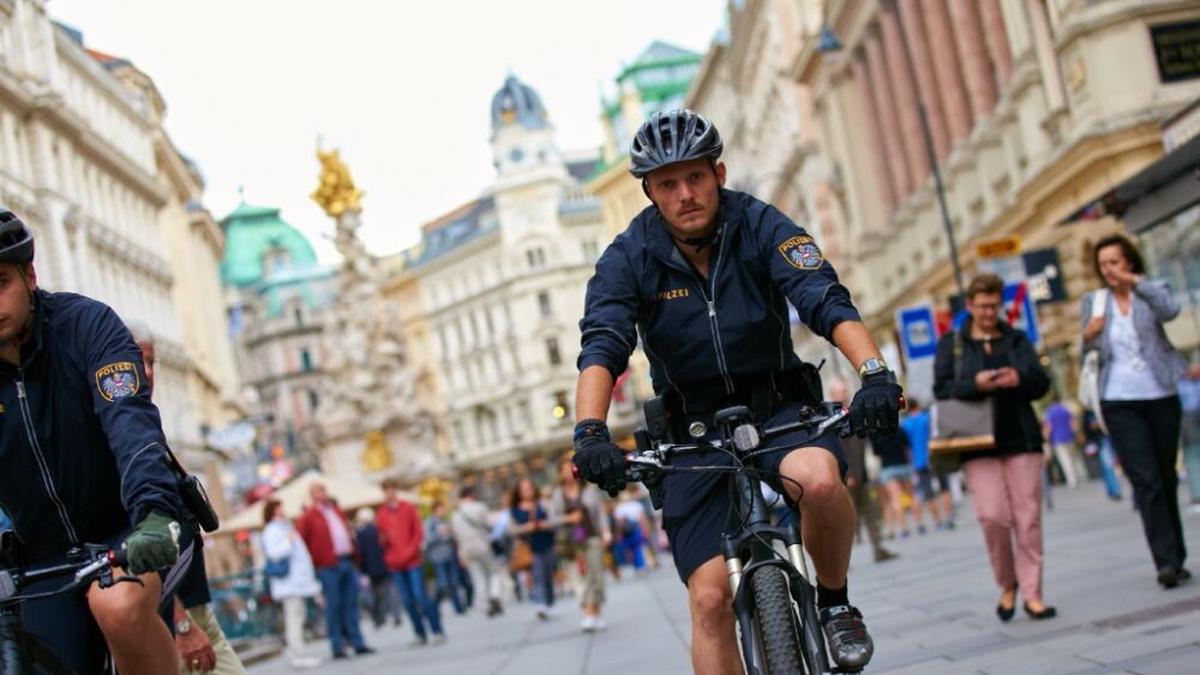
{"x": 118, "y": 380}
{"x": 802, "y": 253}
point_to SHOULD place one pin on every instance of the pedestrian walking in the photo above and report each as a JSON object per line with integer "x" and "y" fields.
{"x": 581, "y": 509}
{"x": 1139, "y": 392}
{"x": 866, "y": 503}
{"x": 1189, "y": 398}
{"x": 401, "y": 534}
{"x": 330, "y": 542}
{"x": 632, "y": 525}
{"x": 987, "y": 359}
{"x": 441, "y": 554}
{"x": 473, "y": 532}
{"x": 1098, "y": 443}
{"x": 1058, "y": 426}
{"x": 532, "y": 530}
{"x": 895, "y": 474}
{"x": 291, "y": 579}
{"x": 930, "y": 488}
{"x": 382, "y": 593}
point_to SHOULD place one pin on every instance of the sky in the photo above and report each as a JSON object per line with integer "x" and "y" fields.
{"x": 403, "y": 89}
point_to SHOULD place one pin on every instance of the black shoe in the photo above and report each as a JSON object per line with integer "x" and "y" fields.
{"x": 1168, "y": 577}
{"x": 1045, "y": 613}
{"x": 884, "y": 555}
{"x": 1182, "y": 574}
{"x": 364, "y": 650}
{"x": 1006, "y": 613}
{"x": 849, "y": 643}
{"x": 340, "y": 655}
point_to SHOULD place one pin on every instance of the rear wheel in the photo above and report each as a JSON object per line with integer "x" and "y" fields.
{"x": 776, "y": 619}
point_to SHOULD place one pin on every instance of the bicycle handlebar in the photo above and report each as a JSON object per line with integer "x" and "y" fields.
{"x": 96, "y": 564}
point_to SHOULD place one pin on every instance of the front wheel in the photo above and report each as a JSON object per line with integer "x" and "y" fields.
{"x": 776, "y": 619}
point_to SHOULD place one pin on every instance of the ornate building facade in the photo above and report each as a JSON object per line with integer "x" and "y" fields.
{"x": 278, "y": 298}
{"x": 501, "y": 284}
{"x": 84, "y": 159}
{"x": 1033, "y": 107}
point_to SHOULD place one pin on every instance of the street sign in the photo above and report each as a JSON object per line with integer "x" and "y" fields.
{"x": 918, "y": 331}
{"x": 1043, "y": 275}
{"x": 999, "y": 248}
{"x": 1010, "y": 268}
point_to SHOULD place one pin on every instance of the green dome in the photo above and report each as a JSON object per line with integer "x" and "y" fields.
{"x": 253, "y": 232}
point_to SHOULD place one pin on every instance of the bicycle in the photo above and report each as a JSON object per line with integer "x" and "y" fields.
{"x": 774, "y": 601}
{"x": 20, "y": 652}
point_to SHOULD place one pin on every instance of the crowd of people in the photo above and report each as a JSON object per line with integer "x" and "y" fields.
{"x": 401, "y": 559}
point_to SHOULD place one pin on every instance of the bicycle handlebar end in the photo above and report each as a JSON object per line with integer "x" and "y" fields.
{"x": 119, "y": 558}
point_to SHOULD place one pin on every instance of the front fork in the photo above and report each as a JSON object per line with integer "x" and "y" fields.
{"x": 754, "y": 545}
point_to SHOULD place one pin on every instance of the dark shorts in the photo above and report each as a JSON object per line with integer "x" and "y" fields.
{"x": 930, "y": 484}
{"x": 64, "y": 624}
{"x": 698, "y": 507}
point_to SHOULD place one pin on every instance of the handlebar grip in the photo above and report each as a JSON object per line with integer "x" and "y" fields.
{"x": 119, "y": 558}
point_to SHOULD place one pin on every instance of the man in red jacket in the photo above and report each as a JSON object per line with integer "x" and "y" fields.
{"x": 330, "y": 542}
{"x": 400, "y": 533}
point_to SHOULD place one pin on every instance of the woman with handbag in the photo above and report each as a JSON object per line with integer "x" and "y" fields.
{"x": 581, "y": 509}
{"x": 291, "y": 578}
{"x": 534, "y": 533}
{"x": 1138, "y": 390}
{"x": 987, "y": 364}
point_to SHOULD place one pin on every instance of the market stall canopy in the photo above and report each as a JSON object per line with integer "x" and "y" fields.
{"x": 349, "y": 494}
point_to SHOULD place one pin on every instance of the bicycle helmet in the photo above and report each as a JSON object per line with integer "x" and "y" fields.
{"x": 671, "y": 137}
{"x": 16, "y": 240}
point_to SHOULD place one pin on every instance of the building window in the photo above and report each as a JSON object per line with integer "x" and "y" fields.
{"x": 313, "y": 399}
{"x": 298, "y": 314}
{"x": 536, "y": 257}
{"x": 544, "y": 304}
{"x": 552, "y": 351}
{"x": 591, "y": 250}
{"x": 306, "y": 363}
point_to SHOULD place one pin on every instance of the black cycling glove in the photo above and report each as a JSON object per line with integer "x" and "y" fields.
{"x": 598, "y": 459}
{"x": 875, "y": 410}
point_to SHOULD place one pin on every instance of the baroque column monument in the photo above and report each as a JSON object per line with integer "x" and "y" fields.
{"x": 370, "y": 420}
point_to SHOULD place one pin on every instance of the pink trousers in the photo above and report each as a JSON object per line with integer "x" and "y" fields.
{"x": 1007, "y": 492}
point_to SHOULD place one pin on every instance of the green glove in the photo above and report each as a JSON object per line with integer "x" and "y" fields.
{"x": 153, "y": 544}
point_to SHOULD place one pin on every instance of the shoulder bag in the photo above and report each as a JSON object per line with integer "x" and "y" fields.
{"x": 961, "y": 426}
{"x": 1089, "y": 372}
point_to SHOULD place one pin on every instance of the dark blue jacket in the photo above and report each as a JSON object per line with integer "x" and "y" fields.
{"x": 703, "y": 337}
{"x": 371, "y": 552}
{"x": 82, "y": 449}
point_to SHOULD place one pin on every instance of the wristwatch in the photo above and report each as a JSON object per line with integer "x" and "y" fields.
{"x": 183, "y": 626}
{"x": 870, "y": 367}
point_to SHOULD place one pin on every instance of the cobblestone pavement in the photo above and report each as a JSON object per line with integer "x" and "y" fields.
{"x": 932, "y": 611}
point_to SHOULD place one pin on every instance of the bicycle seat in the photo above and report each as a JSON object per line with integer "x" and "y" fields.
{"x": 732, "y": 416}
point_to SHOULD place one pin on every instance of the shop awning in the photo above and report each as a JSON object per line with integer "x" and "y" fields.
{"x": 1159, "y": 191}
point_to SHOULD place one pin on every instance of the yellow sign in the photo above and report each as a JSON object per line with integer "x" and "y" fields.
{"x": 999, "y": 248}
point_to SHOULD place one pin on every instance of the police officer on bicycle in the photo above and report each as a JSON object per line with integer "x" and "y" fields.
{"x": 705, "y": 274}
{"x": 84, "y": 461}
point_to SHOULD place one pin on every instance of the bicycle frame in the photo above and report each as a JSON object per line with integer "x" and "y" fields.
{"x": 750, "y": 549}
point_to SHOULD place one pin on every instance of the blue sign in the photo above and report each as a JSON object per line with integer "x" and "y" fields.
{"x": 918, "y": 333}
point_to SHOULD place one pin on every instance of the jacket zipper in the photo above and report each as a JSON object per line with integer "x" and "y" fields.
{"x": 43, "y": 466}
{"x": 711, "y": 299}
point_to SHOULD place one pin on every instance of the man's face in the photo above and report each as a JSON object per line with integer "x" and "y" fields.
{"x": 318, "y": 493}
{"x": 148, "y": 362}
{"x": 688, "y": 195}
{"x": 14, "y": 300}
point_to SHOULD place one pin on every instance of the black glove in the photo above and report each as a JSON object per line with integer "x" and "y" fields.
{"x": 598, "y": 459}
{"x": 876, "y": 407}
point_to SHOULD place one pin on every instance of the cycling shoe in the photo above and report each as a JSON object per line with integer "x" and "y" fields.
{"x": 849, "y": 644}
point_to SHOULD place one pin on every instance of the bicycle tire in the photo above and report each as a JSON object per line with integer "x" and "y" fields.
{"x": 776, "y": 619}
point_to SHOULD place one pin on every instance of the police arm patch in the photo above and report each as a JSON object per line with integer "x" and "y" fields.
{"x": 118, "y": 380}
{"x": 802, "y": 253}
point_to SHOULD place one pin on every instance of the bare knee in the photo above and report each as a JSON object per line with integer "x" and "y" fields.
{"x": 812, "y": 476}
{"x": 123, "y": 611}
{"x": 710, "y": 598}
